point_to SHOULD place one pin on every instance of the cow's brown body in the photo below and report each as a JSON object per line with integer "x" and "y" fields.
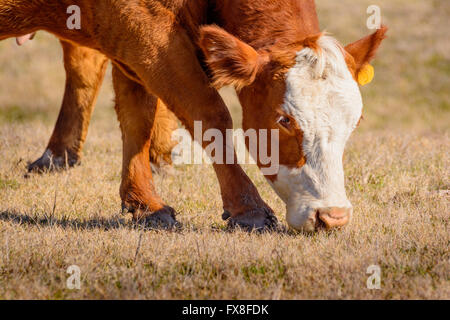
{"x": 160, "y": 50}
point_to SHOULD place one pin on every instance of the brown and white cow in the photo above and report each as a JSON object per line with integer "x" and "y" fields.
{"x": 290, "y": 77}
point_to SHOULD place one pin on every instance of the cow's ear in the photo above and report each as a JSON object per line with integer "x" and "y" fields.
{"x": 362, "y": 53}
{"x": 231, "y": 61}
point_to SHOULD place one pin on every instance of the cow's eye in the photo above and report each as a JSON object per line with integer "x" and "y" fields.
{"x": 284, "y": 121}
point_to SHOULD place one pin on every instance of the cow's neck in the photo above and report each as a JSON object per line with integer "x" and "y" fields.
{"x": 262, "y": 23}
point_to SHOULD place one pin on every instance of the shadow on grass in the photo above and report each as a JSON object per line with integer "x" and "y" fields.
{"x": 98, "y": 223}
{"x": 115, "y": 223}
{"x": 280, "y": 229}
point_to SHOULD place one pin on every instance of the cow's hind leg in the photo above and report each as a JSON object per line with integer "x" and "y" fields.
{"x": 85, "y": 70}
{"x": 161, "y": 142}
{"x": 136, "y": 110}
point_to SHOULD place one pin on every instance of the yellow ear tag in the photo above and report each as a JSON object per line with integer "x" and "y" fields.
{"x": 366, "y": 74}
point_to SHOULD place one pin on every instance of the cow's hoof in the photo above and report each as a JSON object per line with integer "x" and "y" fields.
{"x": 261, "y": 219}
{"x": 162, "y": 219}
{"x": 49, "y": 162}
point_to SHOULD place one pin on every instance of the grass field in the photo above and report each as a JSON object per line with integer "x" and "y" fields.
{"x": 397, "y": 169}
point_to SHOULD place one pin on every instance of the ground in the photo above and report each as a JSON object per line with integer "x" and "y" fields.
{"x": 397, "y": 170}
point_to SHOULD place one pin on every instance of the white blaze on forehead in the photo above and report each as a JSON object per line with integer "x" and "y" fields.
{"x": 326, "y": 102}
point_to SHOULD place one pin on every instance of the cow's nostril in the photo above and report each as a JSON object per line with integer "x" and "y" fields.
{"x": 319, "y": 224}
{"x": 333, "y": 217}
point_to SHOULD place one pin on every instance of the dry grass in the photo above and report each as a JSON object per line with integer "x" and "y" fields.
{"x": 397, "y": 168}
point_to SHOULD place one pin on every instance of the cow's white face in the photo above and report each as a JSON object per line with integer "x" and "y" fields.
{"x": 307, "y": 89}
{"x": 324, "y": 99}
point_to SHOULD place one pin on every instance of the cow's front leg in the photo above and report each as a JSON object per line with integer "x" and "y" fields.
{"x": 242, "y": 204}
{"x": 136, "y": 111}
{"x": 85, "y": 70}
{"x": 186, "y": 90}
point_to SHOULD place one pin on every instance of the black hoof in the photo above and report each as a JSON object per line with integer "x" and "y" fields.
{"x": 261, "y": 219}
{"x": 164, "y": 219}
{"x": 226, "y": 215}
{"x": 49, "y": 162}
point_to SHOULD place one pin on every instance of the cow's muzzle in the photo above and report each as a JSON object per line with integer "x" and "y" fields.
{"x": 330, "y": 218}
